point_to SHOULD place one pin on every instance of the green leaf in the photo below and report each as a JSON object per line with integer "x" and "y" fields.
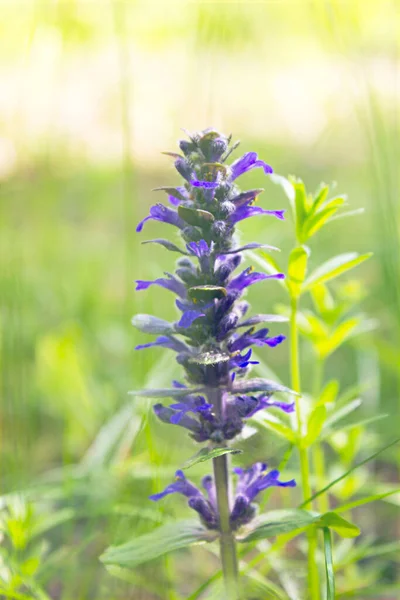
{"x": 150, "y": 324}
{"x": 164, "y": 539}
{"x": 52, "y": 520}
{"x": 171, "y": 191}
{"x": 337, "y": 415}
{"x": 342, "y": 526}
{"x": 274, "y": 425}
{"x": 366, "y": 500}
{"x": 323, "y": 300}
{"x": 361, "y": 424}
{"x": 260, "y": 385}
{"x": 208, "y": 454}
{"x": 297, "y": 269}
{"x": 277, "y": 522}
{"x": 262, "y": 319}
{"x": 166, "y": 244}
{"x": 165, "y": 392}
{"x": 285, "y": 184}
{"x": 300, "y": 205}
{"x": 329, "y": 393}
{"x": 318, "y": 219}
{"x": 206, "y": 293}
{"x": 337, "y": 338}
{"x": 334, "y": 267}
{"x": 267, "y": 263}
{"x": 348, "y": 213}
{"x": 330, "y": 575}
{"x": 314, "y": 426}
{"x": 344, "y": 475}
{"x": 195, "y": 216}
{"x": 320, "y": 196}
{"x": 113, "y": 439}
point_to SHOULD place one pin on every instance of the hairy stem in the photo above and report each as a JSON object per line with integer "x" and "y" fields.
{"x": 222, "y": 483}
{"x": 313, "y": 577}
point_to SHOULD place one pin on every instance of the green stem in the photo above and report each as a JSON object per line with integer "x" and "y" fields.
{"x": 313, "y": 576}
{"x": 318, "y": 454}
{"x": 228, "y": 551}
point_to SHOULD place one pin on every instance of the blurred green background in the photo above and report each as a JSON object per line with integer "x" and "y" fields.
{"x": 90, "y": 93}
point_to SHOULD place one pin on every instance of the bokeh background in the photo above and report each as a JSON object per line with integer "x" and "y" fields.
{"x": 91, "y": 93}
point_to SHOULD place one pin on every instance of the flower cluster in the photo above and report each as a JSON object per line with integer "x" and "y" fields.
{"x": 250, "y": 483}
{"x": 213, "y": 336}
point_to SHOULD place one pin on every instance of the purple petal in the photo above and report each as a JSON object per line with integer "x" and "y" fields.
{"x": 162, "y": 213}
{"x": 274, "y": 341}
{"x": 188, "y": 317}
{"x": 245, "y": 212}
{"x": 172, "y": 284}
{"x": 166, "y": 342}
{"x": 198, "y": 249}
{"x": 247, "y": 162}
{"x": 248, "y": 277}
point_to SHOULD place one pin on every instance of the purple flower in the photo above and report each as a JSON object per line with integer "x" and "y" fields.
{"x": 250, "y": 337}
{"x": 250, "y": 483}
{"x": 247, "y": 162}
{"x": 181, "y": 486}
{"x": 245, "y": 212}
{"x": 196, "y": 499}
{"x": 162, "y": 213}
{"x": 248, "y": 277}
{"x": 165, "y": 341}
{"x": 248, "y": 406}
{"x": 188, "y": 318}
{"x": 257, "y": 478}
{"x": 172, "y": 284}
{"x": 199, "y": 249}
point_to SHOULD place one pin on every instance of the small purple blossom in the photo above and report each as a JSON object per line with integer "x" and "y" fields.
{"x": 188, "y": 318}
{"x": 162, "y": 213}
{"x": 247, "y": 162}
{"x": 171, "y": 283}
{"x": 245, "y": 212}
{"x": 248, "y": 277}
{"x": 251, "y": 482}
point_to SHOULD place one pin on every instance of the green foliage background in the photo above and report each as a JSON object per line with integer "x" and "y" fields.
{"x": 91, "y": 92}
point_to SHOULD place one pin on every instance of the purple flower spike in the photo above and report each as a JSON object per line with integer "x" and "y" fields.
{"x": 162, "y": 213}
{"x": 247, "y": 162}
{"x": 205, "y": 209}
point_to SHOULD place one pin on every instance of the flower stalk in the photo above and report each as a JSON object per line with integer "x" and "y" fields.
{"x": 313, "y": 576}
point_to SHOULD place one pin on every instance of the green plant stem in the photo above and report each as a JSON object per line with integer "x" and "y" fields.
{"x": 313, "y": 576}
{"x": 318, "y": 454}
{"x": 228, "y": 551}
